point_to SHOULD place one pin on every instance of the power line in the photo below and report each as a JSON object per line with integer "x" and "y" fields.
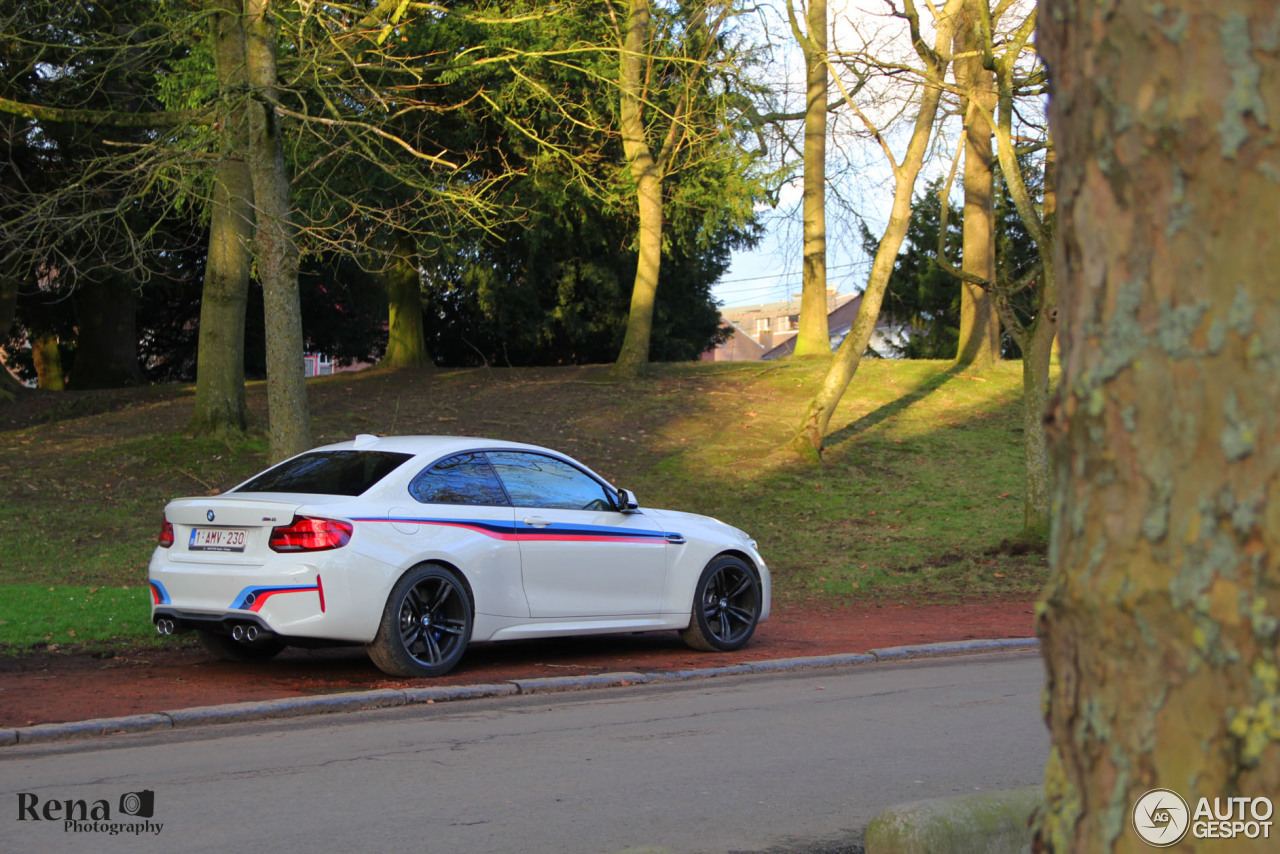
{"x": 778, "y": 275}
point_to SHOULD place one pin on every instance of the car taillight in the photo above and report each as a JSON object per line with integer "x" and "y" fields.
{"x": 305, "y": 534}
{"x": 166, "y": 533}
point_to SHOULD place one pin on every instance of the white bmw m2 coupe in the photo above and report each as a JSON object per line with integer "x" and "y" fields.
{"x": 416, "y": 546}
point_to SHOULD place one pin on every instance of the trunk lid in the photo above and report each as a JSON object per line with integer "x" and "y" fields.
{"x": 231, "y": 529}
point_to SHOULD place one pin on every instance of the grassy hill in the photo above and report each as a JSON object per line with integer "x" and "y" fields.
{"x": 920, "y": 486}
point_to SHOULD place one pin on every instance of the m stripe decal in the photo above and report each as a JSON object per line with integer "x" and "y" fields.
{"x": 253, "y": 598}
{"x": 556, "y": 531}
{"x": 159, "y": 596}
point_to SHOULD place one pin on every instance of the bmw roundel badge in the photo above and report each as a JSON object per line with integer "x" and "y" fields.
{"x": 209, "y": 515}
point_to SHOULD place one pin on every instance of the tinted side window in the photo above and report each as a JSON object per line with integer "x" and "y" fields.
{"x": 535, "y": 480}
{"x": 462, "y": 479}
{"x": 327, "y": 473}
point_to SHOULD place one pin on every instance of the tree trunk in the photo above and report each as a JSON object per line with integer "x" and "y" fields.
{"x": 274, "y": 248}
{"x": 647, "y": 173}
{"x": 1037, "y": 358}
{"x": 814, "y": 335}
{"x": 807, "y": 440}
{"x": 979, "y": 344}
{"x": 1161, "y": 616}
{"x": 48, "y": 362}
{"x": 107, "y": 341}
{"x": 406, "y": 337}
{"x": 220, "y": 406}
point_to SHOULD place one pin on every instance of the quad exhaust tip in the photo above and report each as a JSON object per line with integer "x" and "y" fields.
{"x": 242, "y": 632}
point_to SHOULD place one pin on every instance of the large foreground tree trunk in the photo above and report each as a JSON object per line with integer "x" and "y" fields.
{"x": 220, "y": 406}
{"x": 276, "y": 252}
{"x": 814, "y": 334}
{"x": 1161, "y": 617}
{"x": 406, "y": 337}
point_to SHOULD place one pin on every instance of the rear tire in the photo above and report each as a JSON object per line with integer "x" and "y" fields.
{"x": 425, "y": 626}
{"x": 226, "y": 648}
{"x": 726, "y": 606}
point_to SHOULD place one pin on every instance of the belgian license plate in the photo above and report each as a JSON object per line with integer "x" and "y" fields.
{"x": 217, "y": 540}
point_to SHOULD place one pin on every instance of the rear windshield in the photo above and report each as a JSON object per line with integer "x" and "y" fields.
{"x": 327, "y": 473}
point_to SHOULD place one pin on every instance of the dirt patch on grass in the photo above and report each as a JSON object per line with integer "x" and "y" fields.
{"x": 57, "y": 687}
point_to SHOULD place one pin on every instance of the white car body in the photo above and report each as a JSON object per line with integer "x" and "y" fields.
{"x": 531, "y": 571}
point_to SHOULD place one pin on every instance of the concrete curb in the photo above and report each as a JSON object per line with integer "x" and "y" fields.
{"x": 548, "y": 684}
{"x": 355, "y": 701}
{"x": 933, "y": 650}
{"x": 982, "y": 823}
{"x": 390, "y": 697}
{"x": 90, "y": 728}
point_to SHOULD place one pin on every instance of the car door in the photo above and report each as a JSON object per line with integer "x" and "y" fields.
{"x": 463, "y": 518}
{"x": 580, "y": 555}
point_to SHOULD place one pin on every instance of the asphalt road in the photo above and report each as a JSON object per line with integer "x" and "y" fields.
{"x": 755, "y": 763}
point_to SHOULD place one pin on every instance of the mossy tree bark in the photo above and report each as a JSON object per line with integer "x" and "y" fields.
{"x": 220, "y": 407}
{"x": 813, "y": 336}
{"x": 406, "y": 335}
{"x": 276, "y": 251}
{"x": 979, "y": 346}
{"x": 1161, "y": 617}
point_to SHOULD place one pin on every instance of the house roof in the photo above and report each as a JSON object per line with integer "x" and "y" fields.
{"x": 838, "y": 323}
{"x": 740, "y": 345}
{"x": 743, "y": 315}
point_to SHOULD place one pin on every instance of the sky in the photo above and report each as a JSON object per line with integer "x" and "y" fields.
{"x": 772, "y": 271}
{"x": 859, "y": 178}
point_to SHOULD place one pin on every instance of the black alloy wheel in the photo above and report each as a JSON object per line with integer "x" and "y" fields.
{"x": 726, "y": 606}
{"x": 426, "y": 625}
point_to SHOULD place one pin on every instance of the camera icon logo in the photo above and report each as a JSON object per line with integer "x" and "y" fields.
{"x": 141, "y": 804}
{"x": 1161, "y": 817}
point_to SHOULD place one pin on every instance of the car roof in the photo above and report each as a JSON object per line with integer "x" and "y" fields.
{"x": 428, "y": 445}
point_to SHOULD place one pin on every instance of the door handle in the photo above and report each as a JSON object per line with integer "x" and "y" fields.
{"x": 536, "y": 522}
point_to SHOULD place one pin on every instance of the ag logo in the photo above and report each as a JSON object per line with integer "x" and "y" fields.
{"x": 1161, "y": 817}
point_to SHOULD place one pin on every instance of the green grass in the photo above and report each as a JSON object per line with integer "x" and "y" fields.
{"x": 920, "y": 484}
{"x": 73, "y": 616}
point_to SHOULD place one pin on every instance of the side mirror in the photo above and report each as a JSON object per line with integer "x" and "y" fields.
{"x": 627, "y": 501}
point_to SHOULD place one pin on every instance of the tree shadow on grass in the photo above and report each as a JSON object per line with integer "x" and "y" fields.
{"x": 883, "y": 413}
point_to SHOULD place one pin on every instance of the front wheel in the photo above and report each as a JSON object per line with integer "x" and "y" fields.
{"x": 726, "y": 606}
{"x": 426, "y": 625}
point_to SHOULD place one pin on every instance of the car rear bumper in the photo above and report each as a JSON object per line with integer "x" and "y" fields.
{"x": 288, "y": 598}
